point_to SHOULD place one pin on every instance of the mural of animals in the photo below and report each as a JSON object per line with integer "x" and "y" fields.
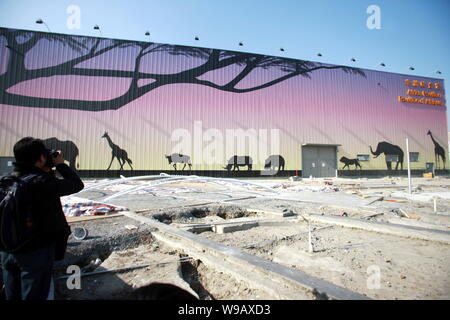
{"x": 274, "y": 162}
{"x": 389, "y": 149}
{"x": 175, "y": 158}
{"x": 118, "y": 153}
{"x": 349, "y": 162}
{"x": 438, "y": 151}
{"x": 68, "y": 148}
{"x": 239, "y": 161}
{"x": 150, "y": 92}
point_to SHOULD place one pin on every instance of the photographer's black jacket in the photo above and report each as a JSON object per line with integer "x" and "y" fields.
{"x": 46, "y": 190}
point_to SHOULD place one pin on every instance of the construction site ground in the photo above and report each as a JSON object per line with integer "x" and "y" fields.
{"x": 266, "y": 238}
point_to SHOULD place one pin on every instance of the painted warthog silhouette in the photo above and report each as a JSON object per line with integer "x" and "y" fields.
{"x": 274, "y": 162}
{"x": 236, "y": 161}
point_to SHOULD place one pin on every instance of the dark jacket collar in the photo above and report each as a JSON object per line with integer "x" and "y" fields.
{"x": 24, "y": 168}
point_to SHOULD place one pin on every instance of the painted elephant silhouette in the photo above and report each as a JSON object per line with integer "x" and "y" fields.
{"x": 438, "y": 151}
{"x": 179, "y": 158}
{"x": 68, "y": 148}
{"x": 389, "y": 150}
{"x": 274, "y": 162}
{"x": 237, "y": 161}
{"x": 118, "y": 153}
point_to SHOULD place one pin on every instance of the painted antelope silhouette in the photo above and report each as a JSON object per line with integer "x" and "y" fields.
{"x": 118, "y": 153}
{"x": 68, "y": 148}
{"x": 438, "y": 151}
{"x": 389, "y": 149}
{"x": 236, "y": 161}
{"x": 179, "y": 158}
{"x": 349, "y": 162}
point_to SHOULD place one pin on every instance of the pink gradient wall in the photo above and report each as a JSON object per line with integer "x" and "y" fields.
{"x": 330, "y": 107}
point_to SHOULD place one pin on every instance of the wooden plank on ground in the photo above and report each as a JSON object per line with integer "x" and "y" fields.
{"x": 96, "y": 217}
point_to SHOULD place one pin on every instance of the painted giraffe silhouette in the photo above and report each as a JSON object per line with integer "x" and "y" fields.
{"x": 118, "y": 153}
{"x": 438, "y": 151}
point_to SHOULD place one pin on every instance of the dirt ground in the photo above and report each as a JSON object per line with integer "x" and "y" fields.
{"x": 378, "y": 265}
{"x": 409, "y": 268}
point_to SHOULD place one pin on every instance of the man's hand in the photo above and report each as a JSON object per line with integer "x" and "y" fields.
{"x": 58, "y": 159}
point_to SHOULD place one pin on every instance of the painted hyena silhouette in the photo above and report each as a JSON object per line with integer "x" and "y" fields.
{"x": 350, "y": 162}
{"x": 68, "y": 148}
{"x": 179, "y": 158}
{"x": 274, "y": 162}
{"x": 237, "y": 161}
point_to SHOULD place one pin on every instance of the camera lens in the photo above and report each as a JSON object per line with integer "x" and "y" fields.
{"x": 50, "y": 154}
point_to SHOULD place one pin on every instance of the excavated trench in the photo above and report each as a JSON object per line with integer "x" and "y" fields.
{"x": 108, "y": 238}
{"x": 341, "y": 255}
{"x": 105, "y": 237}
{"x": 210, "y": 284}
{"x": 192, "y": 215}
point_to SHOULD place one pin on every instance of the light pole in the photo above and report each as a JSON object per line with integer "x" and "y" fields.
{"x": 40, "y": 21}
{"x": 96, "y": 27}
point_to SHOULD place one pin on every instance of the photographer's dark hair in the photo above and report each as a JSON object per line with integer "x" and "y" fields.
{"x": 28, "y": 150}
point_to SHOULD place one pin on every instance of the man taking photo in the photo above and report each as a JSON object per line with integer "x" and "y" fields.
{"x": 27, "y": 270}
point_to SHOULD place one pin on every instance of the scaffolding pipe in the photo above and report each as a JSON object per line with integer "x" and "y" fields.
{"x": 172, "y": 180}
{"x": 147, "y": 185}
{"x": 120, "y": 180}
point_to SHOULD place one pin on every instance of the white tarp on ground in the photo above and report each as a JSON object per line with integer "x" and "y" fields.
{"x": 75, "y": 207}
{"x": 423, "y": 196}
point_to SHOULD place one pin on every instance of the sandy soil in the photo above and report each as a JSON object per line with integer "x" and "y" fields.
{"x": 409, "y": 269}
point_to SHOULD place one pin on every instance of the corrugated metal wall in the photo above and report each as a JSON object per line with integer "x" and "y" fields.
{"x": 154, "y": 100}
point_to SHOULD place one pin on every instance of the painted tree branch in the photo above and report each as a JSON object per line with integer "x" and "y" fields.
{"x": 213, "y": 60}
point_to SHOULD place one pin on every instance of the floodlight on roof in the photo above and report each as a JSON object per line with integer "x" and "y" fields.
{"x": 40, "y": 21}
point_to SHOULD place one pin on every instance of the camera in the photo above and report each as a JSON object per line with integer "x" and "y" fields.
{"x": 50, "y": 154}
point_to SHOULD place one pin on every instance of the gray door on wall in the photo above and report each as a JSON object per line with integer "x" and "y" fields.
{"x": 319, "y": 161}
{"x": 6, "y": 165}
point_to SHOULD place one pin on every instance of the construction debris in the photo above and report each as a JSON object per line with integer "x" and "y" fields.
{"x": 76, "y": 207}
{"x": 273, "y": 238}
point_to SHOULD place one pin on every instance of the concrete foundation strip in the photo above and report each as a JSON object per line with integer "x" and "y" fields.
{"x": 382, "y": 227}
{"x": 273, "y": 277}
{"x": 260, "y": 221}
{"x": 88, "y": 218}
